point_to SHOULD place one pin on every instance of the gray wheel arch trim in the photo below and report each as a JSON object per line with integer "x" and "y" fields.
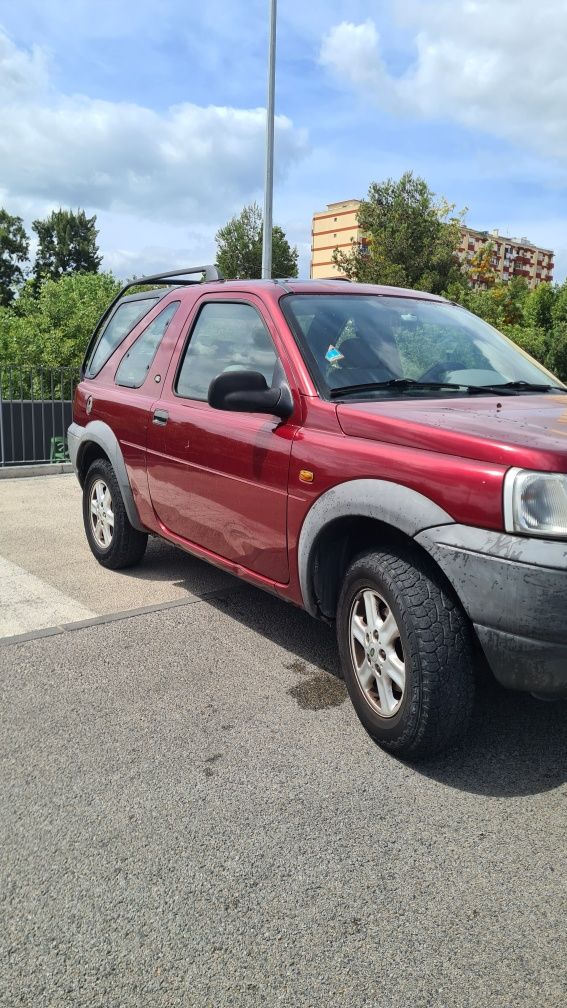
{"x": 405, "y": 509}
{"x": 101, "y": 434}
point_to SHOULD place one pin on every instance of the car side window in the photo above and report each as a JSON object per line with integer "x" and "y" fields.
{"x": 227, "y": 336}
{"x": 136, "y": 363}
{"x": 117, "y": 328}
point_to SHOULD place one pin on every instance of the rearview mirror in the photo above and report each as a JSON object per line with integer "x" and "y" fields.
{"x": 248, "y": 392}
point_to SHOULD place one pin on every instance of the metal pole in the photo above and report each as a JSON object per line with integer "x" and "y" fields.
{"x": 269, "y": 176}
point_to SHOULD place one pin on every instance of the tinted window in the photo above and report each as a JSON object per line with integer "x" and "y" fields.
{"x": 226, "y": 337}
{"x": 122, "y": 322}
{"x": 135, "y": 365}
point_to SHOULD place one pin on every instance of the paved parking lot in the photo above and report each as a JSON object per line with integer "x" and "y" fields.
{"x": 192, "y": 815}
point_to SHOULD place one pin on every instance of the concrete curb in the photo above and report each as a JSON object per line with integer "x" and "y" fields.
{"x": 42, "y": 469}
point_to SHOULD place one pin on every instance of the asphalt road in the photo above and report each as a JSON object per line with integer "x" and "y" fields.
{"x": 192, "y": 816}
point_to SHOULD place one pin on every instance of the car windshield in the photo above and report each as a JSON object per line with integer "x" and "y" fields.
{"x": 391, "y": 344}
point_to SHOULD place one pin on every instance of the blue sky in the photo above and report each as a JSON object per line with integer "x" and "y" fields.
{"x": 151, "y": 116}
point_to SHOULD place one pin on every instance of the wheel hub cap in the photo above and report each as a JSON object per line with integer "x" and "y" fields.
{"x": 377, "y": 652}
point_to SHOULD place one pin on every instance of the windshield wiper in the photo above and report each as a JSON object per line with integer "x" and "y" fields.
{"x": 505, "y": 388}
{"x": 395, "y": 383}
{"x": 521, "y": 386}
{"x": 412, "y": 383}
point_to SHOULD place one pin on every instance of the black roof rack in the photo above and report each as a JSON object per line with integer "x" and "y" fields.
{"x": 208, "y": 273}
{"x": 173, "y": 277}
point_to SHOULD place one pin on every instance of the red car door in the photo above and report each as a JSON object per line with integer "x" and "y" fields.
{"x": 219, "y": 479}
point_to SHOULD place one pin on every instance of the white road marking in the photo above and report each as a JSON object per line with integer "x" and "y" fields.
{"x": 27, "y": 603}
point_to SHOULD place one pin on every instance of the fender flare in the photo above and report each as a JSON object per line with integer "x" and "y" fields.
{"x": 405, "y": 509}
{"x": 99, "y": 433}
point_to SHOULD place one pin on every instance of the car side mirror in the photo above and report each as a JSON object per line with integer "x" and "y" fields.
{"x": 248, "y": 392}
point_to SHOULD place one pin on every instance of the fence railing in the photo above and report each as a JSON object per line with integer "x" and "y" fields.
{"x": 35, "y": 412}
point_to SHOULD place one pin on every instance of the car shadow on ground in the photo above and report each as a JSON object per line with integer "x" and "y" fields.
{"x": 516, "y": 744}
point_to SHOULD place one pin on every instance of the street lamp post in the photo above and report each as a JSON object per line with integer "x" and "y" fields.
{"x": 269, "y": 176}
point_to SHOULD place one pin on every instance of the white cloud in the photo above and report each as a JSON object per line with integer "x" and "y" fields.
{"x": 190, "y": 162}
{"x": 494, "y": 65}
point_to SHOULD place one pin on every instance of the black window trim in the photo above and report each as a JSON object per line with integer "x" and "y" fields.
{"x": 139, "y": 337}
{"x": 215, "y": 300}
{"x": 154, "y": 296}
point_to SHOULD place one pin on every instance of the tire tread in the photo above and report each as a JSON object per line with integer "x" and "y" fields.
{"x": 129, "y": 544}
{"x": 440, "y": 639}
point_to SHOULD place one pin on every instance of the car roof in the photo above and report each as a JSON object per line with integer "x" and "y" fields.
{"x": 279, "y": 287}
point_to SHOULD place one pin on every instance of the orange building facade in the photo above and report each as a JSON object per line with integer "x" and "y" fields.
{"x": 336, "y": 227}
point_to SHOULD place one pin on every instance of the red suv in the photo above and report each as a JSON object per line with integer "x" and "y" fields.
{"x": 380, "y": 457}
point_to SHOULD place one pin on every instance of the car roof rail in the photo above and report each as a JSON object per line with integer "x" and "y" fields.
{"x": 208, "y": 274}
{"x": 177, "y": 278}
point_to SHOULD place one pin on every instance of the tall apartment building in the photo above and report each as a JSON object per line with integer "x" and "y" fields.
{"x": 512, "y": 257}
{"x": 337, "y": 227}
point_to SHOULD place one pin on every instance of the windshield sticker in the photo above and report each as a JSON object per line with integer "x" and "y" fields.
{"x": 333, "y": 355}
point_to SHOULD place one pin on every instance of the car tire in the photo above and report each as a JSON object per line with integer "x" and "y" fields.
{"x": 113, "y": 540}
{"x": 407, "y": 653}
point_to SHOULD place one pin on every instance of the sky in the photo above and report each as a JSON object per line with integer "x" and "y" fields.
{"x": 152, "y": 116}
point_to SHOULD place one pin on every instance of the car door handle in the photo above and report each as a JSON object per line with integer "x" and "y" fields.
{"x": 160, "y": 417}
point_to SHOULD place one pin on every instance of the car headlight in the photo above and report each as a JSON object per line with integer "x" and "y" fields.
{"x": 535, "y": 503}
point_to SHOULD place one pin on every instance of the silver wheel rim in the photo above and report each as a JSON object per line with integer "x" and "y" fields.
{"x": 377, "y": 653}
{"x": 101, "y": 514}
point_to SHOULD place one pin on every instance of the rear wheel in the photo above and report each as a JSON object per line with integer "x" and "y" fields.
{"x": 113, "y": 540}
{"x": 406, "y": 651}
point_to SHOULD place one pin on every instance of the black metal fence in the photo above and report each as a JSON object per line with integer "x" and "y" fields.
{"x": 35, "y": 412}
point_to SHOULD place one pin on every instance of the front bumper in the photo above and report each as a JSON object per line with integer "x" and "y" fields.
{"x": 514, "y": 590}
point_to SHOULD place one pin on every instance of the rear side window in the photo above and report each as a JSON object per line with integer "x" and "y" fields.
{"x": 122, "y": 322}
{"x": 228, "y": 336}
{"x": 134, "y": 366}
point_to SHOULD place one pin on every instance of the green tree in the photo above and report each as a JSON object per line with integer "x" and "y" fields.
{"x": 52, "y": 330}
{"x": 67, "y": 243}
{"x": 410, "y": 239}
{"x": 481, "y": 272}
{"x": 559, "y": 309}
{"x": 540, "y": 304}
{"x": 14, "y": 249}
{"x": 239, "y": 248}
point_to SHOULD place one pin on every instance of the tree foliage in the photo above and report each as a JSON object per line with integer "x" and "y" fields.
{"x": 481, "y": 272}
{"x": 239, "y": 248}
{"x": 14, "y": 249}
{"x": 411, "y": 239}
{"x": 535, "y": 319}
{"x": 67, "y": 243}
{"x": 52, "y": 329}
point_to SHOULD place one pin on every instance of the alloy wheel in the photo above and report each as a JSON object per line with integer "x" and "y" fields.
{"x": 377, "y": 652}
{"x": 101, "y": 514}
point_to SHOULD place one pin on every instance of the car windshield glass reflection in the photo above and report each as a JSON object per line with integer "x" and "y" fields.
{"x": 407, "y": 346}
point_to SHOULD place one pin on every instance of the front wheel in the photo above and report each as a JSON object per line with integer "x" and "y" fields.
{"x": 406, "y": 651}
{"x": 113, "y": 540}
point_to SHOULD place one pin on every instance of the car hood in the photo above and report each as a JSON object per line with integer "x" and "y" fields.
{"x": 523, "y": 430}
